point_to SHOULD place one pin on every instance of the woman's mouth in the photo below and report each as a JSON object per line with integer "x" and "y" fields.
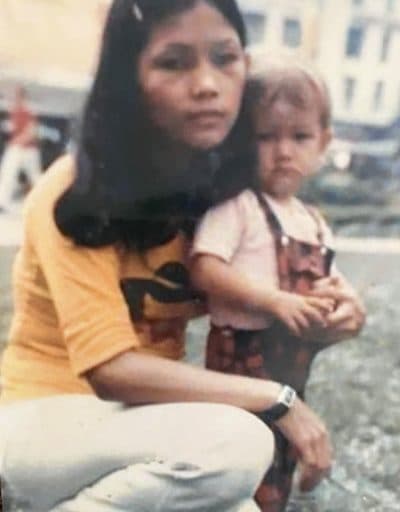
{"x": 205, "y": 117}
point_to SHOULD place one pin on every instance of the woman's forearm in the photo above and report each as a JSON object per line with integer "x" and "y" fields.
{"x": 135, "y": 378}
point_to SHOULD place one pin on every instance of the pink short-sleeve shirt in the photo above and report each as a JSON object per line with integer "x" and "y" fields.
{"x": 237, "y": 232}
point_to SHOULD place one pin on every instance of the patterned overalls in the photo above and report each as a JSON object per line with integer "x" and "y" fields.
{"x": 274, "y": 353}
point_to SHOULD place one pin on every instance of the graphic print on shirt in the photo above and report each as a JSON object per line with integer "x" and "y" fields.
{"x": 169, "y": 285}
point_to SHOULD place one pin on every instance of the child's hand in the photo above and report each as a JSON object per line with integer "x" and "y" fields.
{"x": 328, "y": 285}
{"x": 299, "y": 312}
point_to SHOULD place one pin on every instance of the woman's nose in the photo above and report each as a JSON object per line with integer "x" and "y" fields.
{"x": 204, "y": 81}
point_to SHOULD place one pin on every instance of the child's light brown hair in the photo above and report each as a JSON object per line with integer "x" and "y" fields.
{"x": 290, "y": 80}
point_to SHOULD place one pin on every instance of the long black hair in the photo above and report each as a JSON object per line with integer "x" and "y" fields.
{"x": 114, "y": 196}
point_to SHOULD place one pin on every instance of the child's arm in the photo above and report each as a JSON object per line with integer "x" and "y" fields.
{"x": 216, "y": 277}
{"x": 348, "y": 317}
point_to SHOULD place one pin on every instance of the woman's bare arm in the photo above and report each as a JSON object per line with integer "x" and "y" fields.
{"x": 135, "y": 378}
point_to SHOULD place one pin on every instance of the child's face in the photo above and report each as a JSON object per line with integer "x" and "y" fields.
{"x": 290, "y": 142}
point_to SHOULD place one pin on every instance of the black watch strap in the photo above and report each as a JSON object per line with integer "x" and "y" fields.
{"x": 285, "y": 400}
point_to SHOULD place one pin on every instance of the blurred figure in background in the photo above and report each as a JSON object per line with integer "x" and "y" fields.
{"x": 22, "y": 150}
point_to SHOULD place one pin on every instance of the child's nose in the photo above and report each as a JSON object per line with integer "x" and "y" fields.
{"x": 283, "y": 148}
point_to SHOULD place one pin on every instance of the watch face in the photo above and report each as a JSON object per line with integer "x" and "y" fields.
{"x": 288, "y": 396}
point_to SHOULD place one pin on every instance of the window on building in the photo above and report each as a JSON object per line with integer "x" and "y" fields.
{"x": 390, "y": 5}
{"x": 292, "y": 32}
{"x": 349, "y": 89}
{"x": 255, "y": 25}
{"x": 386, "y": 40}
{"x": 355, "y": 37}
{"x": 398, "y": 106}
{"x": 377, "y": 101}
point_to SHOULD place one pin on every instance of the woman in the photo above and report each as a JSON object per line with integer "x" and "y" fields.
{"x": 102, "y": 296}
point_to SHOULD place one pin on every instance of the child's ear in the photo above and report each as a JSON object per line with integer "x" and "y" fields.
{"x": 247, "y": 58}
{"x": 326, "y": 139}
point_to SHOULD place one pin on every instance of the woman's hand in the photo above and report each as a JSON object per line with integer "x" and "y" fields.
{"x": 306, "y": 431}
{"x": 347, "y": 318}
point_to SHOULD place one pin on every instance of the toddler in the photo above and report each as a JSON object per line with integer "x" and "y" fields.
{"x": 260, "y": 255}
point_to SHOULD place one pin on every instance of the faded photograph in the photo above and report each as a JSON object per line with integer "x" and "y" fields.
{"x": 199, "y": 235}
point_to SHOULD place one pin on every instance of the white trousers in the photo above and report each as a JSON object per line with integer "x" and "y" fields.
{"x": 76, "y": 453}
{"x": 16, "y": 158}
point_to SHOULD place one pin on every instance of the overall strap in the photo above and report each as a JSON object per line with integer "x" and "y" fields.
{"x": 272, "y": 219}
{"x": 318, "y": 221}
{"x": 326, "y": 251}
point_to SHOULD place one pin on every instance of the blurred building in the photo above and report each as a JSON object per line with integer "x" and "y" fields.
{"x": 355, "y": 43}
{"x": 358, "y": 53}
{"x": 274, "y": 25}
{"x": 51, "y": 48}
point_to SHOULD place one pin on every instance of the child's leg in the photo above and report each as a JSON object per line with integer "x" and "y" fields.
{"x": 241, "y": 352}
{"x": 273, "y": 493}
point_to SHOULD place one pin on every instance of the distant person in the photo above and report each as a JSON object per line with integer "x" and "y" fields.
{"x": 22, "y": 150}
{"x": 265, "y": 258}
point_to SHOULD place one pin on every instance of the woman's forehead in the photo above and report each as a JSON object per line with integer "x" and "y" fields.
{"x": 203, "y": 24}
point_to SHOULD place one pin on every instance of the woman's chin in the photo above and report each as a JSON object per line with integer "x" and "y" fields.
{"x": 206, "y": 141}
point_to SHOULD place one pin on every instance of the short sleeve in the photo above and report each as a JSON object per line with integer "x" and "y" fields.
{"x": 84, "y": 287}
{"x": 220, "y": 230}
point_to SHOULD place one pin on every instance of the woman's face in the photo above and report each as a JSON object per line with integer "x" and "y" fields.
{"x": 192, "y": 74}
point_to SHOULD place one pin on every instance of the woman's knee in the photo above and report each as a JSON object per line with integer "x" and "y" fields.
{"x": 218, "y": 459}
{"x": 252, "y": 442}
{"x": 245, "y": 452}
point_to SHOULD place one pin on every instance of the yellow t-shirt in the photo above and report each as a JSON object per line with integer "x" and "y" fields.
{"x": 75, "y": 306}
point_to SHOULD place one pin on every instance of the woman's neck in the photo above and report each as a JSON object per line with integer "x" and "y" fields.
{"x": 177, "y": 169}
{"x": 171, "y": 159}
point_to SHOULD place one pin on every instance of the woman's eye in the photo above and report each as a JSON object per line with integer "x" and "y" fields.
{"x": 173, "y": 63}
{"x": 265, "y": 137}
{"x": 224, "y": 58}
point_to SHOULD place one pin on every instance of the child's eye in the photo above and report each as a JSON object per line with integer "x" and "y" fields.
{"x": 300, "y": 136}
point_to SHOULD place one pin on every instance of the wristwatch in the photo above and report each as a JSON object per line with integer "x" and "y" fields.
{"x": 285, "y": 401}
